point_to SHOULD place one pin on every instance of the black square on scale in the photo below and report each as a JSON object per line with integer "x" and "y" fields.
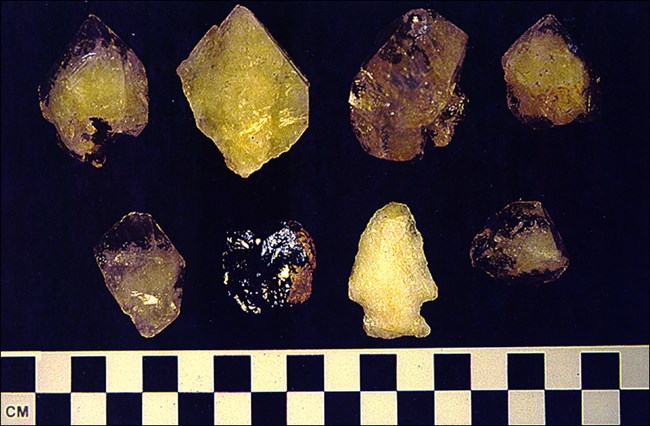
{"x": 88, "y": 374}
{"x": 526, "y": 371}
{"x": 160, "y": 373}
{"x": 232, "y": 373}
{"x": 305, "y": 373}
{"x": 124, "y": 408}
{"x": 452, "y": 371}
{"x": 18, "y": 374}
{"x": 378, "y": 372}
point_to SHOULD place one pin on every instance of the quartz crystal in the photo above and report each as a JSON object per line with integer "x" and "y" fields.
{"x": 96, "y": 91}
{"x": 269, "y": 273}
{"x": 143, "y": 271}
{"x": 406, "y": 95}
{"x": 245, "y": 93}
{"x": 520, "y": 245}
{"x": 549, "y": 83}
{"x": 390, "y": 278}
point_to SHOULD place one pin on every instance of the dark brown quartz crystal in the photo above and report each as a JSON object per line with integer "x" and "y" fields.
{"x": 406, "y": 95}
{"x": 269, "y": 273}
{"x": 520, "y": 245}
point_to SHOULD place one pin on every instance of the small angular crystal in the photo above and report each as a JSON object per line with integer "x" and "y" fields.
{"x": 549, "y": 83}
{"x": 520, "y": 245}
{"x": 390, "y": 278}
{"x": 143, "y": 271}
{"x": 406, "y": 95}
{"x": 245, "y": 93}
{"x": 270, "y": 273}
{"x": 96, "y": 91}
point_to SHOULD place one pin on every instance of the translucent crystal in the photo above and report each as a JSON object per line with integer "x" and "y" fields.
{"x": 143, "y": 271}
{"x": 269, "y": 273}
{"x": 97, "y": 90}
{"x": 549, "y": 83}
{"x": 406, "y": 94}
{"x": 390, "y": 278}
{"x": 246, "y": 94}
{"x": 520, "y": 245}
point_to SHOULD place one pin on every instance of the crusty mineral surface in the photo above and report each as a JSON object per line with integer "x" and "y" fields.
{"x": 406, "y": 95}
{"x": 520, "y": 245}
{"x": 246, "y": 94}
{"x": 270, "y": 273}
{"x": 97, "y": 90}
{"x": 143, "y": 271}
{"x": 549, "y": 83}
{"x": 390, "y": 278}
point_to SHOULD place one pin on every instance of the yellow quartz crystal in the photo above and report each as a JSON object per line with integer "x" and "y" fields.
{"x": 97, "y": 90}
{"x": 390, "y": 278}
{"x": 245, "y": 93}
{"x": 143, "y": 271}
{"x": 549, "y": 84}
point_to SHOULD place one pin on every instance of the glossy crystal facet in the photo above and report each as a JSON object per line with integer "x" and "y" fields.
{"x": 273, "y": 272}
{"x": 520, "y": 244}
{"x": 549, "y": 82}
{"x": 406, "y": 95}
{"x": 96, "y": 91}
{"x": 143, "y": 271}
{"x": 245, "y": 93}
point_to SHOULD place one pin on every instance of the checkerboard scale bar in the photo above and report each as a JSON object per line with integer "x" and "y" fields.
{"x": 534, "y": 385}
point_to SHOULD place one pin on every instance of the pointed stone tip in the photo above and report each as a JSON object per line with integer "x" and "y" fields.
{"x": 242, "y": 8}
{"x": 239, "y": 9}
{"x": 93, "y": 20}
{"x": 139, "y": 214}
{"x": 396, "y": 207}
{"x": 548, "y": 20}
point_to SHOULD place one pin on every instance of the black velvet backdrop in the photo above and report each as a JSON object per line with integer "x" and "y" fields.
{"x": 592, "y": 179}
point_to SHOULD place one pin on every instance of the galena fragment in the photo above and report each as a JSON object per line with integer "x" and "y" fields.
{"x": 549, "y": 83}
{"x": 143, "y": 271}
{"x": 270, "y": 273}
{"x": 245, "y": 93}
{"x": 520, "y": 245}
{"x": 390, "y": 278}
{"x": 96, "y": 91}
{"x": 407, "y": 95}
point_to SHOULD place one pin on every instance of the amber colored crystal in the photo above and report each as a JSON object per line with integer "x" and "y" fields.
{"x": 390, "y": 278}
{"x": 549, "y": 82}
{"x": 143, "y": 271}
{"x": 96, "y": 91}
{"x": 520, "y": 244}
{"x": 245, "y": 93}
{"x": 406, "y": 95}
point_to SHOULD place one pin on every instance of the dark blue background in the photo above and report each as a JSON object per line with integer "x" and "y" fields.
{"x": 592, "y": 178}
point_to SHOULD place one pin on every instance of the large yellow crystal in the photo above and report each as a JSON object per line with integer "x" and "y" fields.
{"x": 549, "y": 84}
{"x": 97, "y": 90}
{"x": 245, "y": 93}
{"x": 390, "y": 278}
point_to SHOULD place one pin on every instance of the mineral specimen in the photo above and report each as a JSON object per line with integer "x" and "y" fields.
{"x": 390, "y": 278}
{"x": 549, "y": 83}
{"x": 143, "y": 271}
{"x": 97, "y": 90}
{"x": 406, "y": 94}
{"x": 520, "y": 245}
{"x": 245, "y": 93}
{"x": 269, "y": 273}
